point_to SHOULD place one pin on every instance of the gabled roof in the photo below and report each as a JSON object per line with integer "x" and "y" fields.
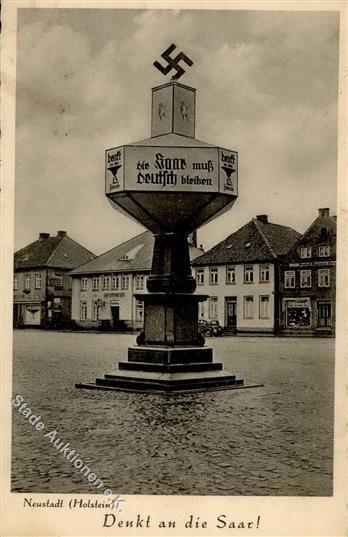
{"x": 130, "y": 256}
{"x": 255, "y": 241}
{"x": 56, "y": 252}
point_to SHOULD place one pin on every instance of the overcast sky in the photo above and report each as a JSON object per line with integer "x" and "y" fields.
{"x": 266, "y": 87}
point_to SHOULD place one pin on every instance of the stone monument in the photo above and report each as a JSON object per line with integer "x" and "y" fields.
{"x": 171, "y": 183}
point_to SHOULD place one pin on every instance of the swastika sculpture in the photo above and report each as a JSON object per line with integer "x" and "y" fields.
{"x": 171, "y": 183}
{"x": 173, "y": 63}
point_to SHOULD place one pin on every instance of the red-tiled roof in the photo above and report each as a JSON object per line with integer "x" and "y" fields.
{"x": 58, "y": 252}
{"x": 255, "y": 241}
{"x": 132, "y": 255}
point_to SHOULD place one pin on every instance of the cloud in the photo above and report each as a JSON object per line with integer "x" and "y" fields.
{"x": 267, "y": 87}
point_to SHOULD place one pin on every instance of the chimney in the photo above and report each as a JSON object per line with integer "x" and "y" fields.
{"x": 262, "y": 218}
{"x": 43, "y": 236}
{"x": 61, "y": 233}
{"x": 324, "y": 212}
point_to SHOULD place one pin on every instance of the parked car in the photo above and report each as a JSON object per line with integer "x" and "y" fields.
{"x": 209, "y": 329}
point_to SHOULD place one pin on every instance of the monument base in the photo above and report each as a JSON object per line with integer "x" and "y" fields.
{"x": 168, "y": 370}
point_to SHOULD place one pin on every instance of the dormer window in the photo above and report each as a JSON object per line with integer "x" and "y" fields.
{"x": 306, "y": 252}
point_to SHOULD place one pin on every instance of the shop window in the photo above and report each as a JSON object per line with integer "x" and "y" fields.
{"x": 83, "y": 311}
{"x": 231, "y": 275}
{"x": 213, "y": 276}
{"x": 115, "y": 282}
{"x": 213, "y": 307}
{"x": 264, "y": 273}
{"x": 248, "y": 307}
{"x": 84, "y": 283}
{"x": 306, "y": 252}
{"x": 298, "y": 317}
{"x": 324, "y": 251}
{"x": 125, "y": 281}
{"x": 139, "y": 311}
{"x": 264, "y": 307}
{"x": 15, "y": 282}
{"x": 139, "y": 282}
{"x": 289, "y": 279}
{"x": 200, "y": 276}
{"x": 305, "y": 278}
{"x": 324, "y": 278}
{"x": 249, "y": 274}
{"x": 95, "y": 283}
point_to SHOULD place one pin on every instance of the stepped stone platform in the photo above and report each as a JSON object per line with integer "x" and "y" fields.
{"x": 168, "y": 370}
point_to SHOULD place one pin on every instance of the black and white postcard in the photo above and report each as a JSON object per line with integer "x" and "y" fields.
{"x": 174, "y": 219}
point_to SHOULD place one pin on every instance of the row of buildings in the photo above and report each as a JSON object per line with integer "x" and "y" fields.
{"x": 264, "y": 278}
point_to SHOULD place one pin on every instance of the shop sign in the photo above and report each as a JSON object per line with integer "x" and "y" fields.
{"x": 313, "y": 264}
{"x": 171, "y": 169}
{"x": 296, "y": 303}
{"x": 113, "y": 295}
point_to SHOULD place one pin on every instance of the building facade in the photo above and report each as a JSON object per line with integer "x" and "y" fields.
{"x": 103, "y": 289}
{"x": 308, "y": 281}
{"x": 240, "y": 275}
{"x": 41, "y": 284}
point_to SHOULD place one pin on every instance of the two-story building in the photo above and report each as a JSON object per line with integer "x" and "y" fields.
{"x": 103, "y": 289}
{"x": 241, "y": 274}
{"x": 41, "y": 284}
{"x": 308, "y": 281}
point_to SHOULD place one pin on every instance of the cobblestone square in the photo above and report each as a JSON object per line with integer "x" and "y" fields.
{"x": 273, "y": 440}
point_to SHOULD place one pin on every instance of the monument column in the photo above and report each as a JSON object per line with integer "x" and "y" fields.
{"x": 172, "y": 183}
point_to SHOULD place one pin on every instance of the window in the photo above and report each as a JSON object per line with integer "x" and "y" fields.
{"x": 324, "y": 251}
{"x": 84, "y": 283}
{"x": 200, "y": 276}
{"x": 249, "y": 274}
{"x": 139, "y": 282}
{"x": 213, "y": 307}
{"x": 139, "y": 311}
{"x": 264, "y": 273}
{"x": 305, "y": 278}
{"x": 37, "y": 281}
{"x": 306, "y": 251}
{"x": 125, "y": 281}
{"x": 264, "y": 307}
{"x": 95, "y": 283}
{"x": 15, "y": 282}
{"x": 83, "y": 311}
{"x": 324, "y": 277}
{"x": 213, "y": 276}
{"x": 248, "y": 307}
{"x": 201, "y": 310}
{"x": 106, "y": 282}
{"x": 115, "y": 282}
{"x": 95, "y": 314}
{"x": 27, "y": 281}
{"x": 231, "y": 275}
{"x": 289, "y": 279}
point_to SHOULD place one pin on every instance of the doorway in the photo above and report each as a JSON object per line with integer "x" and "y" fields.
{"x": 115, "y": 314}
{"x": 231, "y": 312}
{"x": 324, "y": 314}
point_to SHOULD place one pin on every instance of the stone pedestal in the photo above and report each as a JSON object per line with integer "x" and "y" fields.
{"x": 170, "y": 355}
